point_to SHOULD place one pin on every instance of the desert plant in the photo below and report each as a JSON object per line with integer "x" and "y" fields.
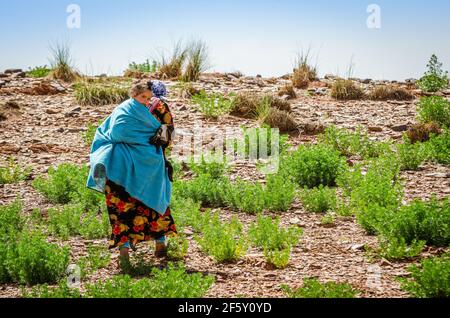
{"x": 434, "y": 109}
{"x": 411, "y": 156}
{"x": 197, "y": 61}
{"x": 280, "y": 119}
{"x": 173, "y": 67}
{"x": 145, "y": 67}
{"x": 313, "y": 288}
{"x": 435, "y": 78}
{"x": 89, "y": 135}
{"x": 61, "y": 62}
{"x": 225, "y": 242}
{"x": 439, "y": 147}
{"x": 303, "y": 71}
{"x": 31, "y": 260}
{"x": 312, "y": 166}
{"x": 390, "y": 92}
{"x": 177, "y": 247}
{"x": 39, "y": 71}
{"x": 13, "y": 172}
{"x": 99, "y": 94}
{"x": 430, "y": 280}
{"x": 212, "y": 105}
{"x": 67, "y": 184}
{"x": 345, "y": 89}
{"x": 318, "y": 200}
{"x": 287, "y": 90}
{"x": 422, "y": 132}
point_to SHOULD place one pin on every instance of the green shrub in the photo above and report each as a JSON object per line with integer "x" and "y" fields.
{"x": 94, "y": 226}
{"x": 313, "y": 288}
{"x": 430, "y": 280}
{"x": 411, "y": 156}
{"x": 357, "y": 143}
{"x": 67, "y": 184}
{"x": 266, "y": 233}
{"x": 61, "y": 291}
{"x": 186, "y": 212}
{"x": 12, "y": 172}
{"x": 98, "y": 257}
{"x": 439, "y": 148}
{"x": 172, "y": 282}
{"x": 279, "y": 193}
{"x": 212, "y": 105}
{"x": 39, "y": 71}
{"x": 209, "y": 165}
{"x": 373, "y": 196}
{"x": 223, "y": 241}
{"x": 422, "y": 221}
{"x": 65, "y": 222}
{"x": 434, "y": 109}
{"x": 246, "y": 196}
{"x": 396, "y": 248}
{"x": 177, "y": 247}
{"x": 99, "y": 94}
{"x": 32, "y": 260}
{"x": 252, "y": 139}
{"x": 145, "y": 67}
{"x": 435, "y": 78}
{"x": 11, "y": 219}
{"x": 319, "y": 200}
{"x": 312, "y": 166}
{"x": 89, "y": 135}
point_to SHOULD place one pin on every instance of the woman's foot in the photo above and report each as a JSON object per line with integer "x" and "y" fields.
{"x": 160, "y": 250}
{"x": 124, "y": 258}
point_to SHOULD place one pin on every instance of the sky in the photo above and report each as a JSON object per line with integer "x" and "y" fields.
{"x": 250, "y": 36}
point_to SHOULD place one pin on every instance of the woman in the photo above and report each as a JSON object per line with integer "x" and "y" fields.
{"x": 128, "y": 165}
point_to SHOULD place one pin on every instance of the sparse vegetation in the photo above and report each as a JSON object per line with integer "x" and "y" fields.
{"x": 434, "y": 109}
{"x": 313, "y": 288}
{"x": 39, "y": 71}
{"x": 390, "y": 92}
{"x": 13, "y": 172}
{"x": 98, "y": 94}
{"x": 435, "y": 79}
{"x": 62, "y": 63}
{"x": 345, "y": 89}
{"x": 304, "y": 73}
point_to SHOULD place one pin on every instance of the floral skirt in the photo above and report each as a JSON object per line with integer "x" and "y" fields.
{"x": 132, "y": 221}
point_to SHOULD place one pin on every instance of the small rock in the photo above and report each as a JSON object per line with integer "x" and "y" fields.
{"x": 188, "y": 232}
{"x": 2, "y": 83}
{"x": 330, "y": 77}
{"x": 75, "y": 110}
{"x": 367, "y": 81}
{"x": 13, "y": 70}
{"x": 51, "y": 111}
{"x": 18, "y": 75}
{"x": 375, "y": 129}
{"x": 183, "y": 107}
{"x": 400, "y": 128}
{"x": 358, "y": 247}
{"x": 3, "y": 75}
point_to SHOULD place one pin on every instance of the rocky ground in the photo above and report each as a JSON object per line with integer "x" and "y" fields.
{"x": 44, "y": 124}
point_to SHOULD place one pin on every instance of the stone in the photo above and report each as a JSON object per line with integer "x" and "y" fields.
{"x": 330, "y": 77}
{"x": 358, "y": 247}
{"x": 13, "y": 70}
{"x": 18, "y": 75}
{"x": 51, "y": 111}
{"x": 375, "y": 129}
{"x": 367, "y": 81}
{"x": 400, "y": 128}
{"x": 3, "y": 75}
{"x": 2, "y": 83}
{"x": 183, "y": 108}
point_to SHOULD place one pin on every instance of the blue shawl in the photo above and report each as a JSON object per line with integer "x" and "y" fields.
{"x": 122, "y": 153}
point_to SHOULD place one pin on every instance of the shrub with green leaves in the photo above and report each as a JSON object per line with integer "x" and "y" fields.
{"x": 67, "y": 184}
{"x": 89, "y": 135}
{"x": 31, "y": 260}
{"x": 318, "y": 200}
{"x": 145, "y": 67}
{"x": 439, "y": 148}
{"x": 62, "y": 291}
{"x": 275, "y": 241}
{"x": 98, "y": 257}
{"x": 396, "y": 248}
{"x": 11, "y": 219}
{"x": 313, "y": 288}
{"x": 209, "y": 165}
{"x": 225, "y": 242}
{"x": 212, "y": 105}
{"x": 353, "y": 143}
{"x": 435, "y": 79}
{"x": 434, "y": 109}
{"x": 411, "y": 156}
{"x": 312, "y": 166}
{"x": 172, "y": 282}
{"x": 427, "y": 221}
{"x": 279, "y": 193}
{"x": 375, "y": 194}
{"x": 430, "y": 280}
{"x": 186, "y": 212}
{"x": 246, "y": 196}
{"x": 177, "y": 247}
{"x": 13, "y": 172}
{"x": 39, "y": 71}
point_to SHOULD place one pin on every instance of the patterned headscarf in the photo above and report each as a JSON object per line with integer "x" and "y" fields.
{"x": 158, "y": 88}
